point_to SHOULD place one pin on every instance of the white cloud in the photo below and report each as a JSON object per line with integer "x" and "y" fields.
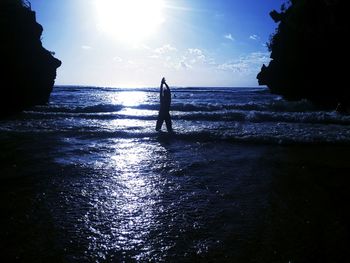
{"x": 196, "y": 54}
{"x": 144, "y": 46}
{"x": 165, "y": 49}
{"x": 195, "y": 51}
{"x": 184, "y": 65}
{"x": 254, "y": 37}
{"x": 117, "y": 59}
{"x": 86, "y": 47}
{"x": 246, "y": 65}
{"x": 184, "y": 59}
{"x": 131, "y": 64}
{"x": 237, "y": 67}
{"x": 211, "y": 62}
{"x": 258, "y": 57}
{"x": 229, "y": 37}
{"x": 154, "y": 56}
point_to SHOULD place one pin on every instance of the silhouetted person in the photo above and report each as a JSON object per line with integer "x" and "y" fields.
{"x": 165, "y": 101}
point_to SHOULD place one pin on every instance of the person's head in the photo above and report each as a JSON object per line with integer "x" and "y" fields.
{"x": 163, "y": 80}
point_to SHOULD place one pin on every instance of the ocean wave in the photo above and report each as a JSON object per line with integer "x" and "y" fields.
{"x": 71, "y": 109}
{"x": 275, "y": 106}
{"x": 238, "y": 115}
{"x": 226, "y": 115}
{"x": 176, "y": 89}
{"x": 228, "y": 136}
{"x": 195, "y": 136}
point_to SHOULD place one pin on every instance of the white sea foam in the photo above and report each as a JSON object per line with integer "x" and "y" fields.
{"x": 236, "y": 114}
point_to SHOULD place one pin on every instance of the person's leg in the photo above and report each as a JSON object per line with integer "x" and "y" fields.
{"x": 168, "y": 122}
{"x": 160, "y": 120}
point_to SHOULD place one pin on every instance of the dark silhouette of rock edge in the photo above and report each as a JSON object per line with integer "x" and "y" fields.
{"x": 308, "y": 52}
{"x": 28, "y": 70}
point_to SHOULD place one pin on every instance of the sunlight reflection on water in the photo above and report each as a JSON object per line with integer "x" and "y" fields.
{"x": 147, "y": 201}
{"x": 137, "y": 112}
{"x": 129, "y": 201}
{"x": 127, "y": 98}
{"x": 126, "y": 124}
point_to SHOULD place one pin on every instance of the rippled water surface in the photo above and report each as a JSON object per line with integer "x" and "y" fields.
{"x": 247, "y": 177}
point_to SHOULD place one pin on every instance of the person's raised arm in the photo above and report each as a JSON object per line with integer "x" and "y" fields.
{"x": 161, "y": 87}
{"x": 166, "y": 85}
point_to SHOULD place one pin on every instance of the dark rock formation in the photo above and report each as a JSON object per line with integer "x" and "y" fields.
{"x": 27, "y": 69}
{"x": 309, "y": 53}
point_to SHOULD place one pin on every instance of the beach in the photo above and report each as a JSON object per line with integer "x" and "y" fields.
{"x": 247, "y": 177}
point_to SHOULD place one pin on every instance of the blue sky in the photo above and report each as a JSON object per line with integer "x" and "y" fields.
{"x": 136, "y": 42}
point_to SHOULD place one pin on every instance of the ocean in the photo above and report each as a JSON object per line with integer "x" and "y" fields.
{"x": 246, "y": 177}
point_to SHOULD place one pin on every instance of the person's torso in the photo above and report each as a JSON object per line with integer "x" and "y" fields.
{"x": 165, "y": 98}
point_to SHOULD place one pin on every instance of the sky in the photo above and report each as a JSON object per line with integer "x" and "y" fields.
{"x": 134, "y": 43}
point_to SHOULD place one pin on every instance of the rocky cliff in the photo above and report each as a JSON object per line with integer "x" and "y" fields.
{"x": 309, "y": 53}
{"x": 28, "y": 70}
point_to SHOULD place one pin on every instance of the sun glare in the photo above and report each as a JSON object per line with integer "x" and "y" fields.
{"x": 129, "y": 21}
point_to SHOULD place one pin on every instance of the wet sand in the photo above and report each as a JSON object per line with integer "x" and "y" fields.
{"x": 145, "y": 201}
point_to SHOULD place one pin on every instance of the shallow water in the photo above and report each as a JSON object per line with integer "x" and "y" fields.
{"x": 246, "y": 178}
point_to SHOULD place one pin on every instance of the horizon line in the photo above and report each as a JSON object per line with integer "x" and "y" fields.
{"x": 143, "y": 87}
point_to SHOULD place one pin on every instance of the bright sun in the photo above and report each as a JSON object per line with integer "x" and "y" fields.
{"x": 129, "y": 21}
